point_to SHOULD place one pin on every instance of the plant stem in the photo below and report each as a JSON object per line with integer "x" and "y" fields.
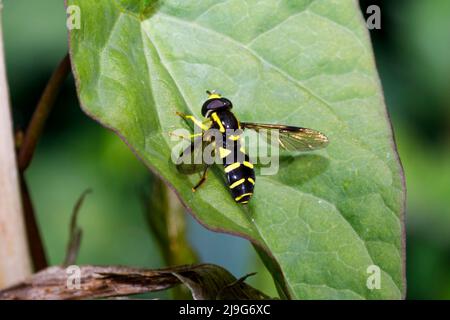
{"x": 41, "y": 113}
{"x": 26, "y": 151}
{"x": 166, "y": 218}
{"x": 35, "y": 243}
{"x": 14, "y": 255}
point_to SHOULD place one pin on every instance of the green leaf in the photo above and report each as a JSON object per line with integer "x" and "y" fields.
{"x": 326, "y": 216}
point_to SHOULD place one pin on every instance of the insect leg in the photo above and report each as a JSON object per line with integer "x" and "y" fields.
{"x": 202, "y": 180}
{"x": 198, "y": 123}
{"x": 184, "y": 137}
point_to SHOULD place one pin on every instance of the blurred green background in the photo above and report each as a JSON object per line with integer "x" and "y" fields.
{"x": 412, "y": 51}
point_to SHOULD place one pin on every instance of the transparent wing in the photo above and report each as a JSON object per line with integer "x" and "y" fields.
{"x": 291, "y": 138}
{"x": 191, "y": 159}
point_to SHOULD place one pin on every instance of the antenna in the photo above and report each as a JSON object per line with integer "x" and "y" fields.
{"x": 212, "y": 92}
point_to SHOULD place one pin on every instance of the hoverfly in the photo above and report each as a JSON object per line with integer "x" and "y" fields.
{"x": 239, "y": 170}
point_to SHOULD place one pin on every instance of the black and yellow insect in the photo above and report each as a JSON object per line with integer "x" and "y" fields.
{"x": 239, "y": 171}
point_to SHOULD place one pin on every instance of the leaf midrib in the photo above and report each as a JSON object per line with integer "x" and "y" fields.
{"x": 252, "y": 222}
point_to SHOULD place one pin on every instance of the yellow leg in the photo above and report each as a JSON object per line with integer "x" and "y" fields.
{"x": 203, "y": 125}
{"x": 188, "y": 137}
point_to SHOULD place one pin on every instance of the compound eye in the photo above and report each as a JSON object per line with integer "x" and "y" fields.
{"x": 226, "y": 102}
{"x": 216, "y": 104}
{"x": 210, "y": 105}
